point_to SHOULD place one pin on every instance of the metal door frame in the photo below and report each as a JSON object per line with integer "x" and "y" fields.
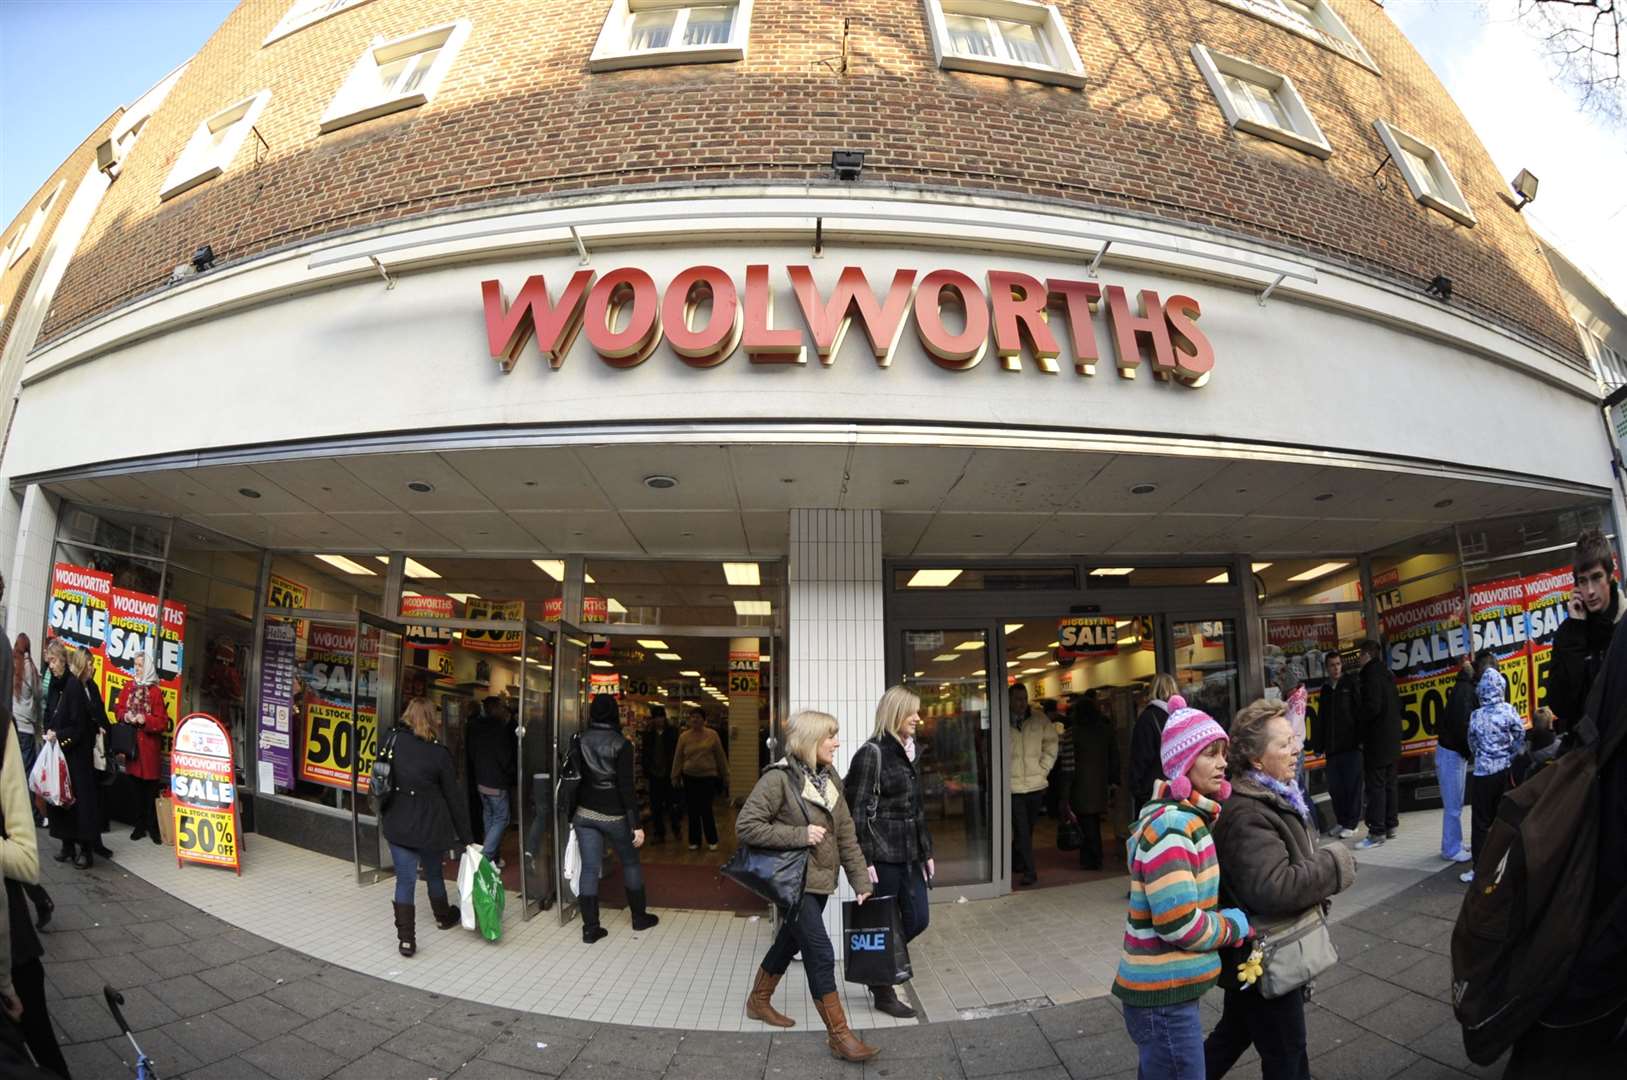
{"x": 543, "y": 782}
{"x": 567, "y": 721}
{"x": 387, "y": 691}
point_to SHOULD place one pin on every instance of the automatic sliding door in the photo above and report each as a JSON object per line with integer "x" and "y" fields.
{"x": 538, "y": 882}
{"x": 569, "y": 683}
{"x": 1205, "y": 660}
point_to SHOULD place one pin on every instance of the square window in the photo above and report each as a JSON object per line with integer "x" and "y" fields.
{"x": 390, "y": 76}
{"x": 1015, "y": 38}
{"x": 213, "y": 145}
{"x": 1426, "y": 173}
{"x": 648, "y": 33}
{"x": 1261, "y": 101}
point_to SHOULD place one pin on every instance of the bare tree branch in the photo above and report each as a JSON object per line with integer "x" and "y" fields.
{"x": 1583, "y": 40}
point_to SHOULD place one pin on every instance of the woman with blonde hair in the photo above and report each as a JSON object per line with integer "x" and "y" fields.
{"x": 883, "y": 788}
{"x": 70, "y": 723}
{"x": 424, "y": 818}
{"x": 797, "y": 803}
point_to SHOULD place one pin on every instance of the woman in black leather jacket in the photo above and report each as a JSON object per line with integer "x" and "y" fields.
{"x": 607, "y": 813}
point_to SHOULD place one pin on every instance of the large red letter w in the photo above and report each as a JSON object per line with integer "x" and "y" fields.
{"x": 508, "y": 329}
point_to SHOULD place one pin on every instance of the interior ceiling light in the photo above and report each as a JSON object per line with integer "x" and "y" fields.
{"x": 765, "y": 658}
{"x": 1032, "y": 670}
{"x": 941, "y": 657}
{"x": 412, "y": 568}
{"x": 1034, "y": 655}
{"x": 1054, "y": 645}
{"x": 1011, "y": 663}
{"x": 690, "y": 674}
{"x": 932, "y": 579}
{"x": 1143, "y": 489}
{"x": 1013, "y": 627}
{"x": 554, "y": 568}
{"x": 349, "y": 566}
{"x": 248, "y": 493}
{"x": 753, "y": 607}
{"x": 601, "y": 663}
{"x": 1112, "y": 571}
{"x": 968, "y": 646}
{"x": 1128, "y": 640}
{"x": 1220, "y": 578}
{"x": 613, "y": 606}
{"x": 667, "y": 656}
{"x": 660, "y": 482}
{"x": 1318, "y": 571}
{"x": 1257, "y": 567}
{"x": 1121, "y": 624}
{"x": 422, "y": 487}
{"x": 409, "y": 592}
{"x": 588, "y": 579}
{"x": 652, "y": 643}
{"x": 918, "y": 674}
{"x": 742, "y": 573}
{"x": 981, "y": 671}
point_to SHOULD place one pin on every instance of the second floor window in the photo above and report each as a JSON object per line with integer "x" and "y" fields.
{"x": 646, "y": 33}
{"x": 1015, "y": 38}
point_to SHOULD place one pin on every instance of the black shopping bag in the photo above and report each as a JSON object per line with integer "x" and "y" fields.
{"x": 873, "y": 949}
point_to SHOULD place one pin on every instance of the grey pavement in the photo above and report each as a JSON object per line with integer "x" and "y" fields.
{"x": 212, "y": 1002}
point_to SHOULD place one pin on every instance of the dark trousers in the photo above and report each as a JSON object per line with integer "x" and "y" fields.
{"x": 1025, "y": 810}
{"x": 1273, "y": 1026}
{"x": 907, "y": 882}
{"x": 699, "y": 791}
{"x": 29, "y": 979}
{"x": 806, "y": 934}
{"x": 1484, "y": 794}
{"x": 1344, "y": 787}
{"x": 147, "y": 805}
{"x": 1383, "y": 800}
{"x": 665, "y": 808}
{"x": 1090, "y": 840}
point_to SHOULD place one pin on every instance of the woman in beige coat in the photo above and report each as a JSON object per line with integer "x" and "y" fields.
{"x": 798, "y": 802}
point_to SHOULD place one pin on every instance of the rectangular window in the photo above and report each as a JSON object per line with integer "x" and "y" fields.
{"x": 646, "y": 33}
{"x": 1314, "y": 20}
{"x": 1261, "y": 102}
{"x": 213, "y": 145}
{"x": 1426, "y": 173}
{"x": 25, "y": 239}
{"x": 390, "y": 76}
{"x": 303, "y": 13}
{"x": 1016, "y": 38}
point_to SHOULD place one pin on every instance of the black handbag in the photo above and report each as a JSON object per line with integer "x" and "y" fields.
{"x": 570, "y": 780}
{"x": 123, "y": 739}
{"x": 778, "y": 875}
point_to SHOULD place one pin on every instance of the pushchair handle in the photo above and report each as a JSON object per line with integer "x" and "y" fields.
{"x": 114, "y": 1000}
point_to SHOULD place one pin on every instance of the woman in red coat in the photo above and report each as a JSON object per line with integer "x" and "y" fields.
{"x": 141, "y": 703}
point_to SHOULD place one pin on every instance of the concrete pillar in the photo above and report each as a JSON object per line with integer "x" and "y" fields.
{"x": 837, "y": 641}
{"x": 28, "y": 577}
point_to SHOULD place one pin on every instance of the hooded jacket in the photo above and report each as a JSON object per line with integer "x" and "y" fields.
{"x": 772, "y": 818}
{"x": 1579, "y": 649}
{"x": 1496, "y": 731}
{"x": 1033, "y": 752}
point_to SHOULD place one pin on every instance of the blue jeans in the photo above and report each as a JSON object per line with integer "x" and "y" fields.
{"x": 907, "y": 882}
{"x": 1450, "y": 770}
{"x": 1170, "y": 1038}
{"x": 407, "y": 862}
{"x": 494, "y": 809}
{"x": 806, "y": 932}
{"x": 591, "y": 838}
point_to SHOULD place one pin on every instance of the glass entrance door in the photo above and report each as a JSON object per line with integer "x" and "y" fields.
{"x": 375, "y": 706}
{"x": 538, "y": 881}
{"x": 571, "y": 647}
{"x": 1205, "y": 654}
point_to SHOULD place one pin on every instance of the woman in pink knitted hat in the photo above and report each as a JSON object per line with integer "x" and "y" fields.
{"x": 1173, "y": 931}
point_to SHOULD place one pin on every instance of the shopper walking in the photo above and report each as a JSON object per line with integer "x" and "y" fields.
{"x": 608, "y": 815}
{"x": 1033, "y": 752}
{"x": 1452, "y": 761}
{"x": 1337, "y": 736}
{"x": 1271, "y": 868}
{"x": 1173, "y": 933}
{"x": 492, "y": 747}
{"x": 1593, "y": 610}
{"x": 798, "y": 802}
{"x": 1380, "y": 744}
{"x": 423, "y": 821}
{"x": 20, "y": 863}
{"x": 1496, "y": 737}
{"x": 141, "y": 706}
{"x": 1095, "y": 775}
{"x": 68, "y": 723}
{"x": 883, "y": 789}
{"x": 1145, "y": 767}
{"x": 699, "y": 765}
{"x": 25, "y": 694}
{"x": 658, "y": 748}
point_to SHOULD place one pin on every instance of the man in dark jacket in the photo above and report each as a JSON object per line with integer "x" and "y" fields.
{"x": 656, "y": 745}
{"x": 1096, "y": 775}
{"x": 1452, "y": 760}
{"x": 1146, "y": 767}
{"x": 1592, "y": 610}
{"x": 1380, "y": 743}
{"x": 1337, "y": 736}
{"x": 491, "y": 749}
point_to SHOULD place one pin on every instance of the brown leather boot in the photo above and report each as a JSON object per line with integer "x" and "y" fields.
{"x": 760, "y": 1005}
{"x": 838, "y": 1036}
{"x": 406, "y": 928}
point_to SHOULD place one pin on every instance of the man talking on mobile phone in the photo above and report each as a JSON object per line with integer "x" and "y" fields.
{"x": 1592, "y": 612}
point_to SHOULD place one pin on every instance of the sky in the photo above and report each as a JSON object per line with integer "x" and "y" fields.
{"x": 1492, "y": 67}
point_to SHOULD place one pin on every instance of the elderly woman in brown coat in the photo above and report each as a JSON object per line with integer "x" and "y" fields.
{"x": 1270, "y": 866}
{"x": 798, "y": 802}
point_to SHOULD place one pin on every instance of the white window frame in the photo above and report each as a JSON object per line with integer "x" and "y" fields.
{"x": 610, "y": 52}
{"x": 362, "y": 98}
{"x": 1327, "y": 29}
{"x": 303, "y": 13}
{"x": 1395, "y": 141}
{"x": 25, "y": 237}
{"x": 1069, "y": 70}
{"x": 199, "y": 161}
{"x": 1305, "y": 135}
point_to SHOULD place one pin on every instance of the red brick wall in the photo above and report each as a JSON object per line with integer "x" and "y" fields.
{"x": 520, "y": 116}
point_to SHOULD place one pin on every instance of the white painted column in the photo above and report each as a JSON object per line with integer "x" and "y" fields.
{"x": 837, "y": 642}
{"x": 28, "y": 577}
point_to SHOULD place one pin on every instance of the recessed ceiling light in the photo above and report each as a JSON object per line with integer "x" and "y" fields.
{"x": 1257, "y": 567}
{"x": 409, "y": 592}
{"x": 980, "y": 671}
{"x": 423, "y": 487}
{"x": 248, "y": 493}
{"x": 1143, "y": 489}
{"x": 753, "y": 607}
{"x": 1128, "y": 641}
{"x": 742, "y": 573}
{"x": 349, "y": 566}
{"x": 1011, "y": 663}
{"x": 554, "y": 568}
{"x": 1112, "y": 571}
{"x": 1324, "y": 497}
{"x": 765, "y": 658}
{"x": 667, "y": 656}
{"x": 1013, "y": 627}
{"x": 1032, "y": 670}
{"x": 660, "y": 482}
{"x": 1121, "y": 624}
{"x": 1034, "y": 655}
{"x": 613, "y": 606}
{"x": 652, "y": 643}
{"x": 1318, "y": 570}
{"x": 1443, "y": 504}
{"x": 900, "y": 482}
{"x": 918, "y": 674}
{"x": 601, "y": 663}
{"x": 1220, "y": 578}
{"x": 412, "y": 568}
{"x": 690, "y": 674}
{"x": 941, "y": 657}
{"x": 932, "y": 579}
{"x": 1054, "y": 645}
{"x": 967, "y": 646}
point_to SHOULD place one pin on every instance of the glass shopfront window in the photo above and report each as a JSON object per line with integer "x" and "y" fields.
{"x": 955, "y": 748}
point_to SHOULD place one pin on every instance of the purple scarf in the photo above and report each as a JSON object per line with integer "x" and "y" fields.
{"x": 1288, "y": 793}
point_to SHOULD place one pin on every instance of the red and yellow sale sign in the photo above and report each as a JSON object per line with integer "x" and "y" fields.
{"x": 1424, "y": 641}
{"x": 1497, "y": 611}
{"x": 205, "y": 797}
{"x": 336, "y": 675}
{"x": 1545, "y": 596}
{"x": 132, "y": 628}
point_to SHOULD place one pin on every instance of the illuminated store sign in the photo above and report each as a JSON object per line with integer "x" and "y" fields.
{"x": 704, "y": 317}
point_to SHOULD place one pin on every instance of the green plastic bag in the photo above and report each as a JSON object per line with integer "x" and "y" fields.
{"x": 489, "y": 900}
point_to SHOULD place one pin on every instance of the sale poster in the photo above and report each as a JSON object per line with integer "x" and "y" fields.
{"x": 278, "y": 665}
{"x": 131, "y": 627}
{"x": 436, "y": 641}
{"x": 1424, "y": 640}
{"x": 1079, "y": 636}
{"x": 338, "y": 739}
{"x": 1497, "y": 615}
{"x": 204, "y": 794}
{"x": 1545, "y": 596}
{"x": 490, "y": 640}
{"x": 594, "y": 609}
{"x": 78, "y": 611}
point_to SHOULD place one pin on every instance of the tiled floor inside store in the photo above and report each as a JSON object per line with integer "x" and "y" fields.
{"x": 1027, "y": 950}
